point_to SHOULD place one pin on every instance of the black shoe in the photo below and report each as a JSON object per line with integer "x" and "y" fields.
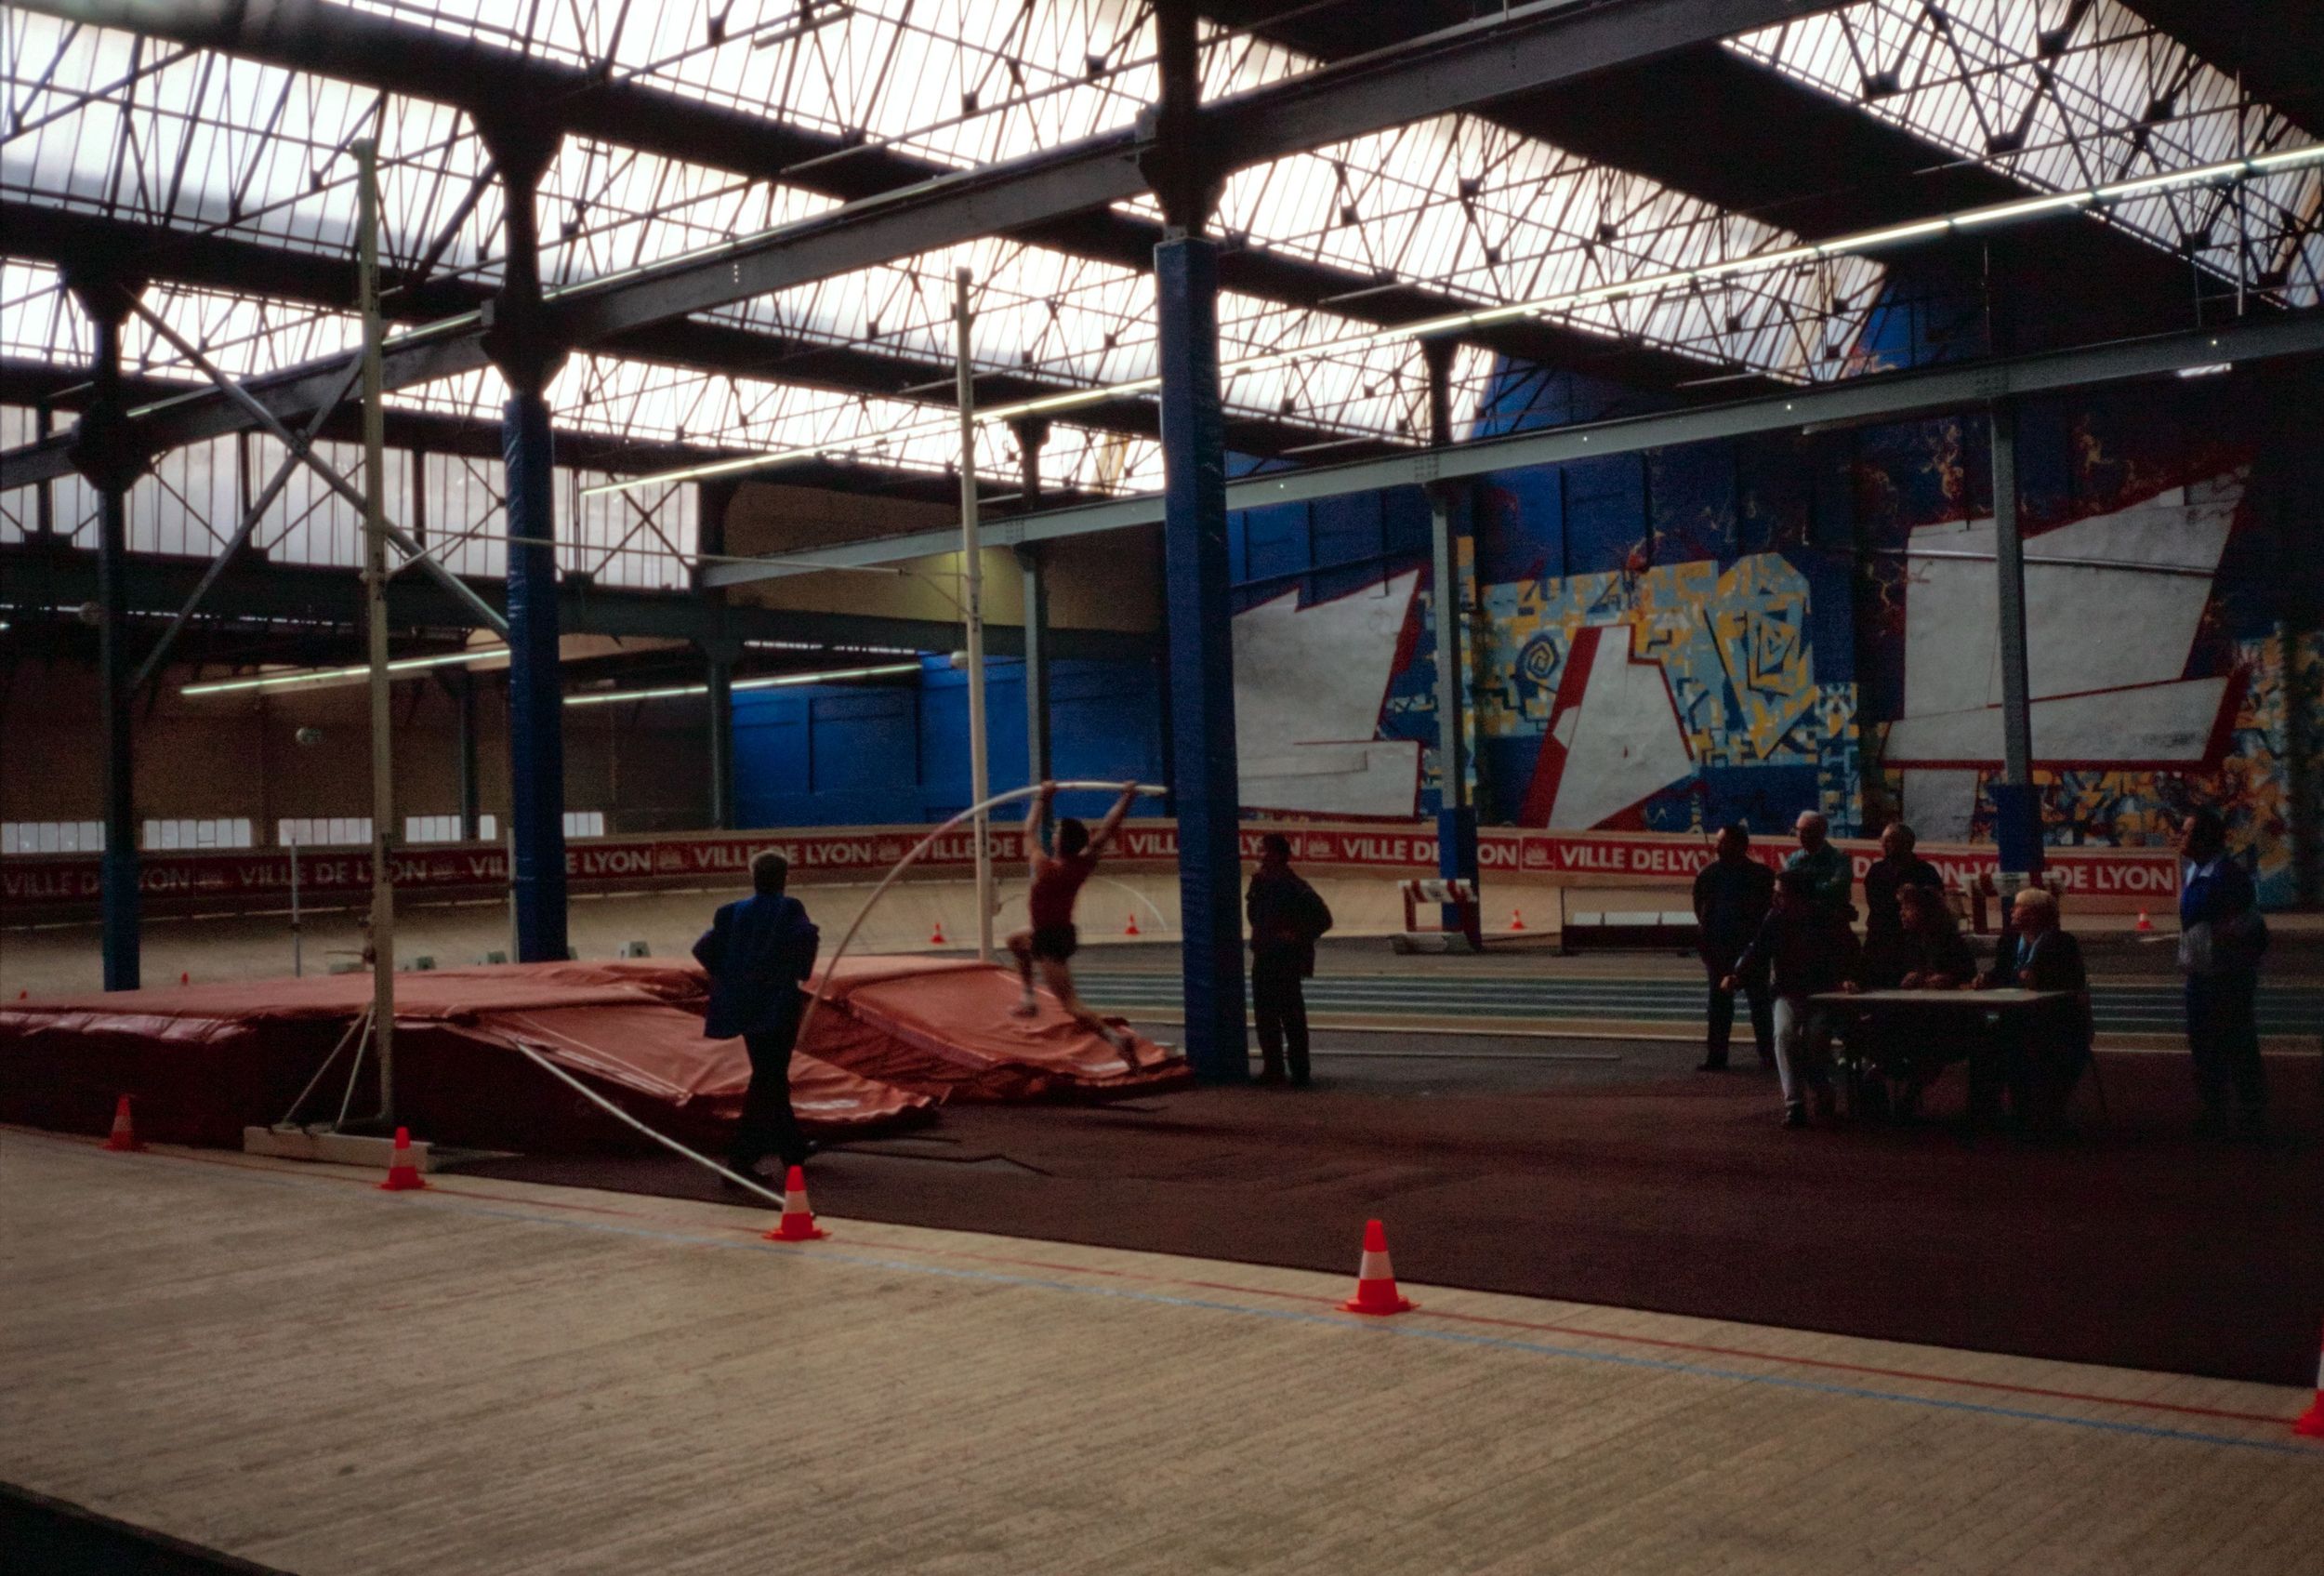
{"x": 1712, "y": 1064}
{"x": 1301, "y": 1081}
{"x": 1795, "y": 1115}
{"x": 1272, "y": 1078}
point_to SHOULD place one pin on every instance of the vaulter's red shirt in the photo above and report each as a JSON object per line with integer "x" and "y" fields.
{"x": 1055, "y": 885}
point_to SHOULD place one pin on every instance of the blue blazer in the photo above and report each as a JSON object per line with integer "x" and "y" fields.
{"x": 756, "y": 952}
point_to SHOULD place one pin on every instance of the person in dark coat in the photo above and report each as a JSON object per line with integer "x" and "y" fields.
{"x": 757, "y": 953}
{"x": 2046, "y": 1057}
{"x": 2221, "y": 938}
{"x": 1811, "y": 950}
{"x": 1287, "y": 919}
{"x": 1732, "y": 897}
{"x": 1897, "y": 867}
{"x": 1928, "y": 952}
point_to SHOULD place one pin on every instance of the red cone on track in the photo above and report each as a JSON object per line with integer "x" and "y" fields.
{"x": 184, "y": 978}
{"x": 402, "y": 1176}
{"x": 1375, "y": 1280}
{"x": 938, "y": 939}
{"x": 1517, "y": 918}
{"x": 2311, "y": 1422}
{"x": 1131, "y": 929}
{"x": 798, "y": 1223}
{"x": 124, "y": 1137}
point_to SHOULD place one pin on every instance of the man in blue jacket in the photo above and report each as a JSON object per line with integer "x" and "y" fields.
{"x": 756, "y": 952}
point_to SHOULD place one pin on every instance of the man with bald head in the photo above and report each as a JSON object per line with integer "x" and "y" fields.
{"x": 1826, "y": 870}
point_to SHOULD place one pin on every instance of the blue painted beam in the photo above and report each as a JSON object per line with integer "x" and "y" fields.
{"x": 1200, "y": 609}
{"x": 536, "y": 743}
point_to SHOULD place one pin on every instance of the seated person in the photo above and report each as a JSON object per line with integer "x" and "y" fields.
{"x": 2045, "y": 1057}
{"x": 1927, "y": 953}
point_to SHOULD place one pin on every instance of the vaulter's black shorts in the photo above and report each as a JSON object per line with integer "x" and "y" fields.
{"x": 1057, "y": 942}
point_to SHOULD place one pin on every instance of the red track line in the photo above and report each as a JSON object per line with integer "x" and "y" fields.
{"x": 1540, "y": 1327}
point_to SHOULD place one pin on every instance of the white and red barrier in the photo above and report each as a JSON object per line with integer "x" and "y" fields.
{"x": 42, "y": 886}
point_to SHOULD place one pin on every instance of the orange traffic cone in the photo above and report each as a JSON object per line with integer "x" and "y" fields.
{"x": 2143, "y": 922}
{"x": 2311, "y": 1422}
{"x": 1131, "y": 929}
{"x": 184, "y": 978}
{"x": 1517, "y": 918}
{"x": 938, "y": 939}
{"x": 123, "y": 1137}
{"x": 1375, "y": 1281}
{"x": 402, "y": 1176}
{"x": 798, "y": 1223}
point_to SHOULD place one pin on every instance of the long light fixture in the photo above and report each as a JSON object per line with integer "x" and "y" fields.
{"x": 308, "y": 678}
{"x": 782, "y": 681}
{"x": 1967, "y": 220}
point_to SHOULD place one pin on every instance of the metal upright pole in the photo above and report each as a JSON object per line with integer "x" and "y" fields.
{"x": 973, "y": 616}
{"x": 375, "y": 619}
{"x": 299, "y": 963}
{"x": 2017, "y": 818}
{"x": 1448, "y": 602}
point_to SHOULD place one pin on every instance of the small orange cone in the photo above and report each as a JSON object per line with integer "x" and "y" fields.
{"x": 2310, "y": 1423}
{"x": 1375, "y": 1280}
{"x": 1132, "y": 928}
{"x": 2143, "y": 922}
{"x": 938, "y": 939}
{"x": 123, "y": 1137}
{"x": 402, "y": 1176}
{"x": 1517, "y": 918}
{"x": 23, "y": 995}
{"x": 184, "y": 978}
{"x": 798, "y": 1223}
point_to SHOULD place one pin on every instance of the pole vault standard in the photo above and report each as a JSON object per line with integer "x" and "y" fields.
{"x": 972, "y": 614}
{"x": 376, "y": 610}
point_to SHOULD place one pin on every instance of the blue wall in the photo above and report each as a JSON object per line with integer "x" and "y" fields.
{"x": 837, "y": 755}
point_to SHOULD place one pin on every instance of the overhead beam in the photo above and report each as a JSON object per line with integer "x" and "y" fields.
{"x": 1516, "y": 51}
{"x": 251, "y": 589}
{"x": 1882, "y": 397}
{"x": 231, "y": 265}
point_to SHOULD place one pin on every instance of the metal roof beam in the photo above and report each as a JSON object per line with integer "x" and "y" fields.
{"x": 1882, "y": 397}
{"x": 1528, "y": 48}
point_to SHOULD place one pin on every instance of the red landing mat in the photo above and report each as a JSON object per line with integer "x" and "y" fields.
{"x": 203, "y": 1061}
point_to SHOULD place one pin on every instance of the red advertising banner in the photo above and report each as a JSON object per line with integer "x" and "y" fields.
{"x": 38, "y": 886}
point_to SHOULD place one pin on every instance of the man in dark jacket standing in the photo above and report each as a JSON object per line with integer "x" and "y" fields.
{"x": 1287, "y": 918}
{"x": 756, "y": 952}
{"x": 1732, "y": 896}
{"x": 2221, "y": 938}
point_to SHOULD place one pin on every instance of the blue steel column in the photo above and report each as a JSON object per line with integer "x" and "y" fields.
{"x": 537, "y": 703}
{"x": 101, "y": 452}
{"x": 519, "y": 346}
{"x": 1203, "y": 772}
{"x": 1448, "y": 602}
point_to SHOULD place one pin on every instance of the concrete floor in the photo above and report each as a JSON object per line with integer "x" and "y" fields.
{"x": 284, "y": 1363}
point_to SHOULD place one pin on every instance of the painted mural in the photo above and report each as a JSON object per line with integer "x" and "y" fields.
{"x": 1746, "y": 629}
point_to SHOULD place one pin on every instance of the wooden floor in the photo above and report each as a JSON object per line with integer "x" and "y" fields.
{"x": 284, "y": 1363}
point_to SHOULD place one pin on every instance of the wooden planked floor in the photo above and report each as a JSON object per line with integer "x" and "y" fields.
{"x": 282, "y": 1362}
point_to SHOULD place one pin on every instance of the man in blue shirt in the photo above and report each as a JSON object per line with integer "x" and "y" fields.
{"x": 2220, "y": 936}
{"x": 756, "y": 952}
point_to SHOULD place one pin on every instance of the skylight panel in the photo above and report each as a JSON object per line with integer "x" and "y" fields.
{"x": 2068, "y": 97}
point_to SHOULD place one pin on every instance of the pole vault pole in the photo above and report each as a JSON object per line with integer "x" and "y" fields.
{"x": 375, "y": 613}
{"x": 973, "y": 616}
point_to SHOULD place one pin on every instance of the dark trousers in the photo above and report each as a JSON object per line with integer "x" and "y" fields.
{"x": 2222, "y": 1032}
{"x": 1281, "y": 1010}
{"x": 1722, "y": 1017}
{"x": 769, "y": 1126}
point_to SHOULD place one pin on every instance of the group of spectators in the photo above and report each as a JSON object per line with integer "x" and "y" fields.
{"x": 1782, "y": 939}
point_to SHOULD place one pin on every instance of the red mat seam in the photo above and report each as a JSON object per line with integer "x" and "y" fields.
{"x": 1539, "y": 1326}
